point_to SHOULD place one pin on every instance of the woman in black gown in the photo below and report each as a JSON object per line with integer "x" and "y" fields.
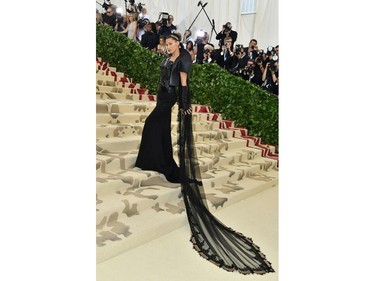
{"x": 213, "y": 240}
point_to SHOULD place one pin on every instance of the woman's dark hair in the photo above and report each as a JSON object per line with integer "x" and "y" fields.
{"x": 176, "y": 37}
{"x": 189, "y": 43}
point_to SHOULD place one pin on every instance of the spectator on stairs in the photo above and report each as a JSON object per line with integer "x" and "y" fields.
{"x": 162, "y": 47}
{"x": 131, "y": 27}
{"x": 190, "y": 49}
{"x": 99, "y": 17}
{"x": 150, "y": 39}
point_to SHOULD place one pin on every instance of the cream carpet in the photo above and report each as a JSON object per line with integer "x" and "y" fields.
{"x": 172, "y": 258}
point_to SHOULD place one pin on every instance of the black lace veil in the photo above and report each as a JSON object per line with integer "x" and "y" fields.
{"x": 214, "y": 241}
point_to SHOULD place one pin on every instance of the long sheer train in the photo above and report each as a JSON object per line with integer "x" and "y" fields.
{"x": 213, "y": 240}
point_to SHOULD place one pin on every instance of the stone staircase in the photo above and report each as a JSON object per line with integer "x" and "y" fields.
{"x": 136, "y": 206}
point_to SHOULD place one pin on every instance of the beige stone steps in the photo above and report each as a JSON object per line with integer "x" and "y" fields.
{"x": 132, "y": 142}
{"x": 110, "y": 130}
{"x": 124, "y": 223}
{"x": 107, "y": 162}
{"x": 118, "y": 233}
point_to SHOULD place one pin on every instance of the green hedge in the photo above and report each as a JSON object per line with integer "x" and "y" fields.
{"x": 236, "y": 99}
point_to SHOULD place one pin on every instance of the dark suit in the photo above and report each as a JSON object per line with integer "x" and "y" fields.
{"x": 150, "y": 40}
{"x": 221, "y": 36}
{"x": 252, "y": 54}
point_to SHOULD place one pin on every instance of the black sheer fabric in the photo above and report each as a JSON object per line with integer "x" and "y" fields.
{"x": 214, "y": 241}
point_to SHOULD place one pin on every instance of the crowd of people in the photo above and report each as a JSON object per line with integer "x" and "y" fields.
{"x": 251, "y": 63}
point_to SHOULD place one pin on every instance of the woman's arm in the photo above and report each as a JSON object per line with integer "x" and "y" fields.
{"x": 183, "y": 77}
{"x": 134, "y": 29}
{"x": 265, "y": 72}
{"x": 185, "y": 103}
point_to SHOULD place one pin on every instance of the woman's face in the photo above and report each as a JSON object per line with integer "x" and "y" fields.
{"x": 172, "y": 45}
{"x": 131, "y": 18}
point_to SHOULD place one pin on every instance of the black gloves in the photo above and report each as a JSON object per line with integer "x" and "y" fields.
{"x": 185, "y": 100}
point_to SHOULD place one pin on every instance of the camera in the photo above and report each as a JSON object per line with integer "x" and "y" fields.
{"x": 106, "y": 5}
{"x": 140, "y": 6}
{"x": 238, "y": 49}
{"x": 272, "y": 65}
{"x": 226, "y": 27}
{"x": 258, "y": 60}
{"x": 248, "y": 71}
{"x": 163, "y": 17}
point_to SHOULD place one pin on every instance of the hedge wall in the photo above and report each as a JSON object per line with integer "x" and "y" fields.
{"x": 236, "y": 99}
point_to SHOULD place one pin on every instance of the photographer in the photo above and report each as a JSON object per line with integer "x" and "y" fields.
{"x": 248, "y": 71}
{"x": 208, "y": 53}
{"x": 167, "y": 26}
{"x": 225, "y": 59}
{"x": 258, "y": 71}
{"x": 170, "y": 23}
{"x": 109, "y": 17}
{"x": 270, "y": 76}
{"x": 252, "y": 50}
{"x": 150, "y": 39}
{"x": 225, "y": 33}
{"x": 132, "y": 7}
{"x": 239, "y": 60}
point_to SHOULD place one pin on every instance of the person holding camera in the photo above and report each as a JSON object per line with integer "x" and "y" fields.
{"x": 248, "y": 71}
{"x": 242, "y": 58}
{"x": 132, "y": 7}
{"x": 270, "y": 77}
{"x": 167, "y": 26}
{"x": 252, "y": 50}
{"x": 225, "y": 33}
{"x": 170, "y": 23}
{"x": 226, "y": 56}
{"x": 208, "y": 53}
{"x": 109, "y": 17}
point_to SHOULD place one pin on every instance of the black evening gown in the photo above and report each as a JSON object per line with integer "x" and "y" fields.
{"x": 213, "y": 240}
{"x": 155, "y": 151}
